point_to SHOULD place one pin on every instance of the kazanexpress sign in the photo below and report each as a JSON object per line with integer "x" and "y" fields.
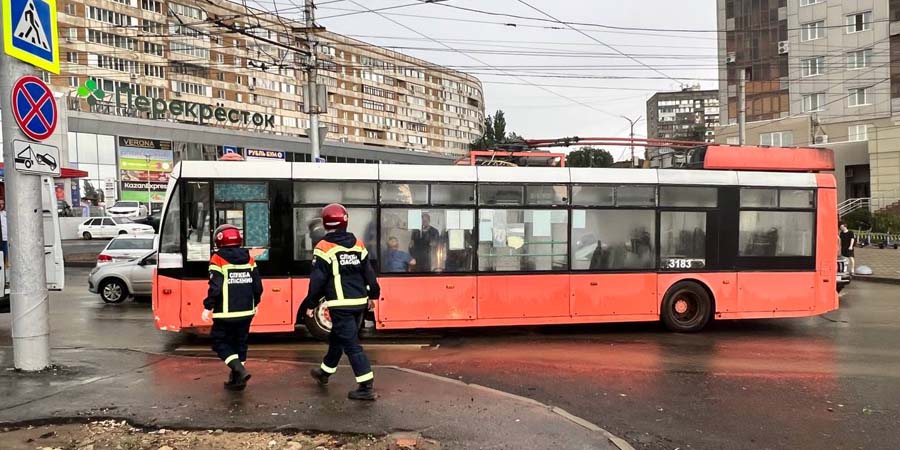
{"x": 200, "y": 112}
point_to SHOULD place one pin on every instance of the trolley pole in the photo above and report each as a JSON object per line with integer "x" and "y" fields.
{"x": 29, "y": 299}
{"x": 312, "y": 73}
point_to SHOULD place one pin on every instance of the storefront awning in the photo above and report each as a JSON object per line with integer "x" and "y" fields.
{"x": 65, "y": 172}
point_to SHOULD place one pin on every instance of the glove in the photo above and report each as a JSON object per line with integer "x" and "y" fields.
{"x": 206, "y": 316}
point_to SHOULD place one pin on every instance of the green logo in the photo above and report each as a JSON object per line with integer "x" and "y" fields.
{"x": 90, "y": 91}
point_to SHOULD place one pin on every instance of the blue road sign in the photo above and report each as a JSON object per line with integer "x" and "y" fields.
{"x": 30, "y": 32}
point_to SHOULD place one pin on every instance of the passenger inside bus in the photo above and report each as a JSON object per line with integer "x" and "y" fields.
{"x": 396, "y": 260}
{"x": 423, "y": 244}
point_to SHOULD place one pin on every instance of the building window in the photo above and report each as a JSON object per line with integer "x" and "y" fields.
{"x": 154, "y": 71}
{"x": 858, "y": 133}
{"x": 859, "y": 96}
{"x": 153, "y": 49}
{"x": 859, "y": 22}
{"x": 72, "y": 57}
{"x": 777, "y": 139}
{"x": 70, "y": 9}
{"x": 73, "y": 82}
{"x": 151, "y": 27}
{"x": 813, "y": 102}
{"x": 809, "y": 2}
{"x": 812, "y": 31}
{"x": 152, "y": 6}
{"x": 812, "y": 66}
{"x": 111, "y": 17}
{"x": 859, "y": 59}
{"x": 112, "y": 40}
{"x": 176, "y": 9}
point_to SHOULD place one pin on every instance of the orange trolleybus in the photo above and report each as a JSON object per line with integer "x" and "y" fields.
{"x": 751, "y": 234}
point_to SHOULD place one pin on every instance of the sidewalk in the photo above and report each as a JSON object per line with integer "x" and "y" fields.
{"x": 885, "y": 264}
{"x": 186, "y": 393}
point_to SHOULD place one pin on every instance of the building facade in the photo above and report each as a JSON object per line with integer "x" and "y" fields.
{"x": 691, "y": 114}
{"x": 184, "y": 62}
{"x": 832, "y": 65}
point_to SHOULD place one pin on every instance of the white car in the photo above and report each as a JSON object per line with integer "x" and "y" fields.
{"x": 128, "y": 209}
{"x": 126, "y": 248}
{"x": 98, "y": 227}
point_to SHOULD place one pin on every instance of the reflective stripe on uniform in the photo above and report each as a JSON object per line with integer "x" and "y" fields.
{"x": 366, "y": 377}
{"x": 347, "y": 302}
{"x": 327, "y": 369}
{"x": 231, "y": 358}
{"x": 234, "y": 315}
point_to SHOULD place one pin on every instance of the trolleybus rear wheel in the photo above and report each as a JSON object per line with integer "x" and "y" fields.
{"x": 686, "y": 308}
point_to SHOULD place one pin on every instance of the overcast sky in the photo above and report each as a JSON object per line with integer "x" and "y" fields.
{"x": 503, "y": 56}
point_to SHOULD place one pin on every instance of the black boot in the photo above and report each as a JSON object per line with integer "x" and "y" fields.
{"x": 232, "y": 376}
{"x": 365, "y": 391}
{"x": 319, "y": 375}
{"x": 240, "y": 376}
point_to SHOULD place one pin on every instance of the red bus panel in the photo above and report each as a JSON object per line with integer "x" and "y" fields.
{"x": 508, "y": 296}
{"x": 773, "y": 292}
{"x": 427, "y": 298}
{"x": 614, "y": 294}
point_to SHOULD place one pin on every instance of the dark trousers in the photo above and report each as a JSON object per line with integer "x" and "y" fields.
{"x": 344, "y": 339}
{"x": 229, "y": 338}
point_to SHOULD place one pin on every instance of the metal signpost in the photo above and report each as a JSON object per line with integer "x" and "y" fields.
{"x": 29, "y": 34}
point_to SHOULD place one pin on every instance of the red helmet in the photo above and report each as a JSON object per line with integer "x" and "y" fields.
{"x": 334, "y": 217}
{"x": 227, "y": 236}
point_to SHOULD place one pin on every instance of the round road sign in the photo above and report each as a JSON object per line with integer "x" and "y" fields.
{"x": 34, "y": 108}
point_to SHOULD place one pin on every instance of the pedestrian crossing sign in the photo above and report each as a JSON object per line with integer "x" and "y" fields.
{"x": 30, "y": 32}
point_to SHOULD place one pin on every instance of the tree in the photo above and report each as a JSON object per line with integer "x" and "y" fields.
{"x": 495, "y": 133}
{"x": 590, "y": 157}
{"x": 91, "y": 193}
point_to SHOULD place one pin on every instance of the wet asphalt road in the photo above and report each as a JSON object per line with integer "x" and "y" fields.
{"x": 829, "y": 382}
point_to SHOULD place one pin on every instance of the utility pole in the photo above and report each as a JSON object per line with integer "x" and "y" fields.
{"x": 312, "y": 74}
{"x": 149, "y": 198}
{"x": 30, "y": 305}
{"x": 742, "y": 107}
{"x": 633, "y": 122}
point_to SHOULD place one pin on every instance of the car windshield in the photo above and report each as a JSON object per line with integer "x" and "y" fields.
{"x": 126, "y": 205}
{"x": 121, "y": 220}
{"x": 130, "y": 244}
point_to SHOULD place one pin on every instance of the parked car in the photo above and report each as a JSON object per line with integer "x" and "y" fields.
{"x": 152, "y": 220}
{"x": 129, "y": 209}
{"x": 126, "y": 248}
{"x": 843, "y": 273}
{"x": 63, "y": 209}
{"x": 111, "y": 227}
{"x": 115, "y": 282}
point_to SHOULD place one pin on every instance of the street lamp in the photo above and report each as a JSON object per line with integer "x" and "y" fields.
{"x": 147, "y": 155}
{"x": 632, "y": 122}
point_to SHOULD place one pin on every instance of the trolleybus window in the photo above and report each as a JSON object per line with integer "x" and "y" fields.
{"x": 636, "y": 196}
{"x": 522, "y": 240}
{"x": 197, "y": 212}
{"x": 501, "y": 195}
{"x": 308, "y": 230}
{"x": 777, "y": 222}
{"x": 323, "y": 193}
{"x": 170, "y": 238}
{"x": 452, "y": 194}
{"x": 427, "y": 240}
{"x": 594, "y": 195}
{"x": 246, "y": 206}
{"x": 404, "y": 194}
{"x": 688, "y": 197}
{"x": 682, "y": 240}
{"x": 613, "y": 239}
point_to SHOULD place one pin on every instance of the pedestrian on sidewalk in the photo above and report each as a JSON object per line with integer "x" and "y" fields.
{"x": 343, "y": 275}
{"x": 848, "y": 243}
{"x": 235, "y": 290}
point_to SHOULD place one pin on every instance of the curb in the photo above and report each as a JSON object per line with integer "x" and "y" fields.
{"x": 80, "y": 264}
{"x": 883, "y": 280}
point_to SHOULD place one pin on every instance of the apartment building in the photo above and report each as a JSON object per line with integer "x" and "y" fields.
{"x": 156, "y": 58}
{"x": 691, "y": 114}
{"x": 820, "y": 73}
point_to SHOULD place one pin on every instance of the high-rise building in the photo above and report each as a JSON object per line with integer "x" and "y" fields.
{"x": 691, "y": 114}
{"x": 223, "y": 54}
{"x": 819, "y": 73}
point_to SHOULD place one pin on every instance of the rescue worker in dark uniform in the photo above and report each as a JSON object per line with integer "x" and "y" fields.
{"x": 235, "y": 290}
{"x": 343, "y": 275}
